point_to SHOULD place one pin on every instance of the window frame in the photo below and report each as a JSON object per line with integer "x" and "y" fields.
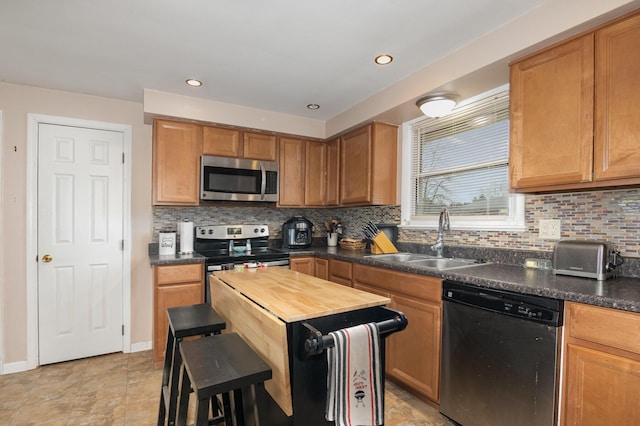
{"x": 514, "y": 222}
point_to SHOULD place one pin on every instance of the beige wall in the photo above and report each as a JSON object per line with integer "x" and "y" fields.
{"x": 15, "y": 103}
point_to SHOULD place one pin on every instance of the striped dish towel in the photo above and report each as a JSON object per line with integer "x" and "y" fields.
{"x": 354, "y": 377}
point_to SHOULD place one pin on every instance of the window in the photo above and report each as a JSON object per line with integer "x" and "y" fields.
{"x": 461, "y": 162}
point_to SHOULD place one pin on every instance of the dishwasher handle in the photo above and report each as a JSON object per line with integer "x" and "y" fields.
{"x": 527, "y": 307}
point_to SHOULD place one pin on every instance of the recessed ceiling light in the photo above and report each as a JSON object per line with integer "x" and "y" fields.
{"x": 384, "y": 59}
{"x": 193, "y": 82}
{"x": 313, "y": 106}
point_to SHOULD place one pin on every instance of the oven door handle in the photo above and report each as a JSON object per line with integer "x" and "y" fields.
{"x": 284, "y": 262}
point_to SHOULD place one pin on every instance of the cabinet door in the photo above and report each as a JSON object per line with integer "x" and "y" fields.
{"x": 292, "y": 170}
{"x": 305, "y": 265}
{"x": 341, "y": 272}
{"x": 260, "y": 146}
{"x": 355, "y": 171}
{"x": 617, "y": 127}
{"x": 322, "y": 268}
{"x": 600, "y": 388}
{"x": 315, "y": 173}
{"x": 332, "y": 197}
{"x": 551, "y": 114}
{"x": 220, "y": 141}
{"x": 176, "y": 163}
{"x": 413, "y": 355}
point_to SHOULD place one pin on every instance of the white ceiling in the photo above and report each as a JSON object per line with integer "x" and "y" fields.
{"x": 276, "y": 55}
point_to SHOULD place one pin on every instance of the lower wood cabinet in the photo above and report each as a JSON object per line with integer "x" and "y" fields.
{"x": 321, "y": 266}
{"x": 413, "y": 355}
{"x": 174, "y": 285}
{"x": 601, "y": 366}
{"x": 341, "y": 272}
{"x": 306, "y": 265}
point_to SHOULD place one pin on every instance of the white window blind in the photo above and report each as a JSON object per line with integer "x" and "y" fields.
{"x": 461, "y": 162}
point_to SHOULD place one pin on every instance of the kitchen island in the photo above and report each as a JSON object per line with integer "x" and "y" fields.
{"x": 275, "y": 311}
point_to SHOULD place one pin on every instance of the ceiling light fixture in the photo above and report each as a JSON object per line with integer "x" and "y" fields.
{"x": 193, "y": 82}
{"x": 313, "y": 106}
{"x": 383, "y": 59}
{"x": 437, "y": 104}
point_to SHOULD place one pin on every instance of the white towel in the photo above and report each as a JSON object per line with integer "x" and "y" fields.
{"x": 354, "y": 377}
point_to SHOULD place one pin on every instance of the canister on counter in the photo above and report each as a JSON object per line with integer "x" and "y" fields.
{"x": 167, "y": 242}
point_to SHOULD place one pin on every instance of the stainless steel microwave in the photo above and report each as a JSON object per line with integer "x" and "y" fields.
{"x": 237, "y": 179}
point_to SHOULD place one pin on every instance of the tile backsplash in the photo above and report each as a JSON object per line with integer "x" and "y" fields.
{"x": 612, "y": 215}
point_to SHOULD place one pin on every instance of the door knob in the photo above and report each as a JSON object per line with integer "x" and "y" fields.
{"x": 47, "y": 258}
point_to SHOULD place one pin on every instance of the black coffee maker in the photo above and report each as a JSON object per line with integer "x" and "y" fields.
{"x": 297, "y": 232}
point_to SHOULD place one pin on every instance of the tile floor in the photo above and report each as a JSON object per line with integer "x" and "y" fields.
{"x": 124, "y": 389}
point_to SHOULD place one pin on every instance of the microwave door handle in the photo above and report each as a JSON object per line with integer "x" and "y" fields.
{"x": 263, "y": 184}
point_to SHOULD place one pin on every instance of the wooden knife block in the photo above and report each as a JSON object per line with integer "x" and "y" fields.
{"x": 381, "y": 244}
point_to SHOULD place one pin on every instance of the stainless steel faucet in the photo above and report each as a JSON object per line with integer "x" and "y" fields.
{"x": 443, "y": 225}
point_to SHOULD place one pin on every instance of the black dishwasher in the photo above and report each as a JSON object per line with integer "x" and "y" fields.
{"x": 500, "y": 356}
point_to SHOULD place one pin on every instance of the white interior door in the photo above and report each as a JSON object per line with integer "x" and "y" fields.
{"x": 80, "y": 232}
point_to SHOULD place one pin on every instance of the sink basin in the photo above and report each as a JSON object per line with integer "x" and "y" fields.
{"x": 398, "y": 257}
{"x": 445, "y": 263}
{"x": 426, "y": 261}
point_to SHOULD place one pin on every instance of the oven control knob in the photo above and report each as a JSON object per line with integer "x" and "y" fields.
{"x": 203, "y": 231}
{"x": 210, "y": 231}
{"x": 256, "y": 230}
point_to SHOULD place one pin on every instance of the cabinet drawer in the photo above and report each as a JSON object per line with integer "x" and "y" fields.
{"x": 429, "y": 288}
{"x": 173, "y": 274}
{"x": 605, "y": 326}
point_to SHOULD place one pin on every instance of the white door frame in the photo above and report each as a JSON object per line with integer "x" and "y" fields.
{"x": 1, "y": 254}
{"x": 33, "y": 120}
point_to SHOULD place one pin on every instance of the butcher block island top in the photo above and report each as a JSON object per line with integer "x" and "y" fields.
{"x": 294, "y": 296}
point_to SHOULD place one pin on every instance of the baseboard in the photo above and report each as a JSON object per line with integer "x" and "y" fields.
{"x": 14, "y": 367}
{"x": 141, "y": 346}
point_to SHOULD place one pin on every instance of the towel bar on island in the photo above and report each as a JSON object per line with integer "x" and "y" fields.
{"x": 315, "y": 342}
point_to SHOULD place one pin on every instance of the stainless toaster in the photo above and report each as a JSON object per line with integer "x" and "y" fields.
{"x": 584, "y": 258}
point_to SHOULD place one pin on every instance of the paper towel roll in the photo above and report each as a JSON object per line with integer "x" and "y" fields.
{"x": 185, "y": 229}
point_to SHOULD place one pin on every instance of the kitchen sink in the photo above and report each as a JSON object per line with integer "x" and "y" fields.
{"x": 445, "y": 263}
{"x": 426, "y": 261}
{"x": 397, "y": 257}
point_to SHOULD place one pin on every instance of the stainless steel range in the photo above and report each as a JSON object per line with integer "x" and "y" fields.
{"x": 231, "y": 246}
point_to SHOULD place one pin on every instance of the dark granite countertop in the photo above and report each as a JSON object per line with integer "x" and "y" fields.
{"x": 176, "y": 259}
{"x": 618, "y": 293}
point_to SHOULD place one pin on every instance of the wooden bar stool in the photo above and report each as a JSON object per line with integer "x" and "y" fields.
{"x": 221, "y": 365}
{"x": 184, "y": 321}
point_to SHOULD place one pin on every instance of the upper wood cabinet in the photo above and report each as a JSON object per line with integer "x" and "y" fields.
{"x": 177, "y": 148}
{"x": 332, "y": 192}
{"x": 315, "y": 176}
{"x": 260, "y": 146}
{"x": 291, "y": 174}
{"x": 238, "y": 144}
{"x": 368, "y": 165}
{"x": 554, "y": 116}
{"x": 222, "y": 142}
{"x": 617, "y": 129}
{"x": 303, "y": 173}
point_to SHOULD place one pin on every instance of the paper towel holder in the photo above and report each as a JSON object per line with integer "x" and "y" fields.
{"x": 185, "y": 230}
